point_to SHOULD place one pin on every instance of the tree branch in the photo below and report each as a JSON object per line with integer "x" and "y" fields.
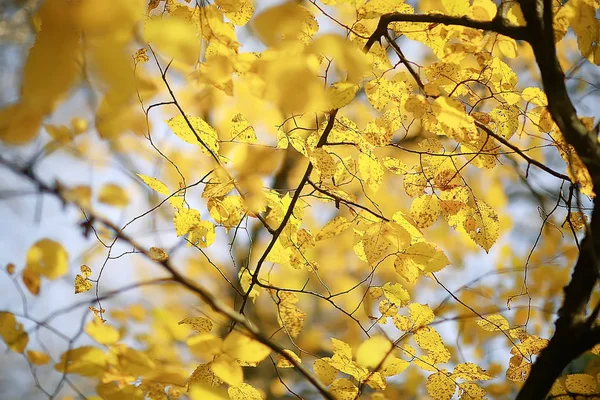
{"x": 497, "y": 25}
{"x": 290, "y": 210}
{"x": 520, "y": 152}
{"x": 573, "y": 334}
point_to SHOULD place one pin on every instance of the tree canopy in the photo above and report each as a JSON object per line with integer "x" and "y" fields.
{"x": 340, "y": 199}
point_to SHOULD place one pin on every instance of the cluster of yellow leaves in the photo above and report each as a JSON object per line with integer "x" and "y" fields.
{"x": 442, "y": 385}
{"x": 374, "y": 363}
{"x": 199, "y": 41}
{"x": 228, "y": 356}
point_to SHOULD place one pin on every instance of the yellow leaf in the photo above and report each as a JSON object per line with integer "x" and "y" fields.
{"x": 140, "y": 56}
{"x": 203, "y": 234}
{"x": 243, "y": 392}
{"x": 200, "y": 133}
{"x": 213, "y": 27}
{"x": 583, "y": 384}
{"x": 284, "y": 22}
{"x": 585, "y": 25}
{"x": 219, "y": 185}
{"x": 113, "y": 195}
{"x": 204, "y": 391}
{"x": 425, "y": 210}
{"x": 394, "y": 366}
{"x": 283, "y": 362}
{"x": 203, "y": 375}
{"x": 199, "y": 324}
{"x": 374, "y": 244}
{"x": 324, "y": 163}
{"x": 296, "y": 75}
{"x": 395, "y": 166}
{"x": 174, "y": 36}
{"x": 457, "y": 7}
{"x": 130, "y": 361}
{"x": 186, "y": 220}
{"x": 426, "y": 256}
{"x": 325, "y": 372}
{"x": 19, "y": 125}
{"x": 48, "y": 258}
{"x": 376, "y": 381}
{"x": 333, "y": 228}
{"x": 157, "y": 254}
{"x": 228, "y": 370}
{"x": 12, "y": 332}
{"x": 376, "y": 8}
{"x": 81, "y": 282}
{"x": 486, "y": 227}
{"x": 371, "y": 171}
{"x": 241, "y": 130}
{"x": 38, "y": 357}
{"x": 471, "y": 391}
{"x": 205, "y": 344}
{"x": 428, "y": 339}
{"x": 440, "y": 387}
{"x": 289, "y": 316}
{"x": 470, "y": 372}
{"x": 418, "y": 105}
{"x": 396, "y": 294}
{"x": 407, "y": 269}
{"x": 85, "y": 361}
{"x": 342, "y": 360}
{"x": 60, "y": 134}
{"x": 102, "y": 332}
{"x": 421, "y": 314}
{"x": 85, "y": 271}
{"x": 535, "y": 95}
{"x": 239, "y": 12}
{"x": 483, "y": 10}
{"x": 155, "y": 184}
{"x": 373, "y": 352}
{"x": 340, "y": 94}
{"x": 80, "y": 195}
{"x": 415, "y": 184}
{"x": 494, "y": 322}
{"x": 10, "y": 268}
{"x": 112, "y": 390}
{"x": 32, "y": 280}
{"x": 347, "y": 56}
{"x": 506, "y": 120}
{"x": 343, "y": 389}
{"x": 244, "y": 348}
{"x": 402, "y": 322}
{"x": 382, "y": 92}
{"x": 451, "y": 113}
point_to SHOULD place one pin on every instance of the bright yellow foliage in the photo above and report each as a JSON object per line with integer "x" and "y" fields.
{"x": 331, "y": 198}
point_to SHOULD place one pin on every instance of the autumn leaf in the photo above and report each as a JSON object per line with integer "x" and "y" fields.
{"x": 38, "y": 357}
{"x": 48, "y": 258}
{"x": 102, "y": 332}
{"x": 81, "y": 282}
{"x": 12, "y": 332}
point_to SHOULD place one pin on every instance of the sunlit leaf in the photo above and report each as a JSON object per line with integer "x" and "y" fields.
{"x": 12, "y": 332}
{"x": 48, "y": 258}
